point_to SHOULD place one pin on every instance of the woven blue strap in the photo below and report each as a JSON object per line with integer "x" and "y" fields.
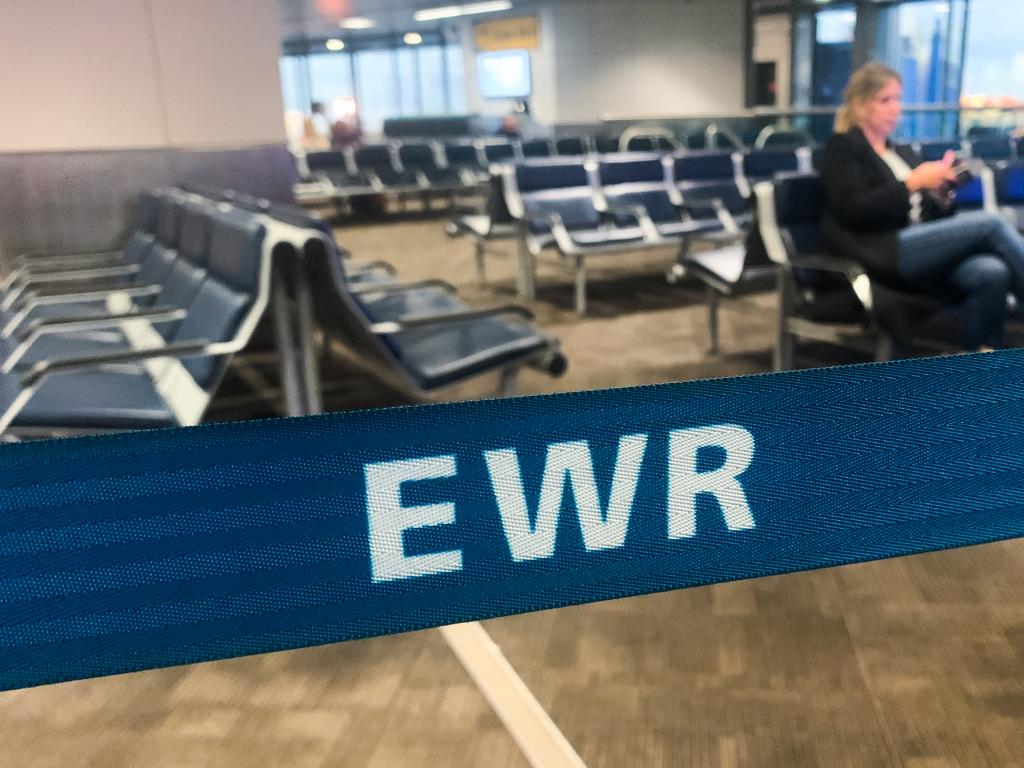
{"x": 145, "y": 550}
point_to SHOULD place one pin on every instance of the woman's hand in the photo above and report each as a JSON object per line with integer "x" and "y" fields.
{"x": 932, "y": 175}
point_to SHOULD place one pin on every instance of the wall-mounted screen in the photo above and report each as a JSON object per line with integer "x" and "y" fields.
{"x": 504, "y": 74}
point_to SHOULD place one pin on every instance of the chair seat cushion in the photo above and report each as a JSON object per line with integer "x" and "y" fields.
{"x": 726, "y": 264}
{"x": 444, "y": 353}
{"x": 94, "y": 399}
{"x": 692, "y": 227}
{"x": 62, "y": 347}
{"x": 598, "y": 237}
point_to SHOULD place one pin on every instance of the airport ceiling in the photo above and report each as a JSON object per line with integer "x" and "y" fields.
{"x": 318, "y": 18}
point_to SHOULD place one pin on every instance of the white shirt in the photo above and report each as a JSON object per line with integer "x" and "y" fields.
{"x": 901, "y": 170}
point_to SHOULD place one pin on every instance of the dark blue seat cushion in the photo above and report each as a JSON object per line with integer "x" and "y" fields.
{"x": 726, "y": 191}
{"x": 704, "y": 166}
{"x": 215, "y": 316}
{"x": 96, "y": 399}
{"x": 654, "y": 200}
{"x": 764, "y": 164}
{"x": 576, "y": 208}
{"x": 442, "y": 354}
{"x": 1010, "y": 184}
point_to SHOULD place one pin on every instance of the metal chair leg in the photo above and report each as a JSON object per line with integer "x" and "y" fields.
{"x": 525, "y": 274}
{"x": 508, "y": 382}
{"x": 883, "y": 348}
{"x": 481, "y": 272}
{"x": 306, "y": 330}
{"x": 782, "y": 357}
{"x": 713, "y": 303}
{"x": 581, "y": 286}
{"x": 291, "y": 376}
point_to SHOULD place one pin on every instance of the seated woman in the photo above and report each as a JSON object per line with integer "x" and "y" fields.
{"x": 891, "y": 212}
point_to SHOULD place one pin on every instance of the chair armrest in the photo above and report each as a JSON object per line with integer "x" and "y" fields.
{"x": 386, "y": 266}
{"x": 826, "y": 264}
{"x": 46, "y": 367}
{"x": 859, "y": 279}
{"x": 34, "y": 299}
{"x": 39, "y": 256}
{"x": 65, "y": 276}
{"x": 643, "y": 218}
{"x": 420, "y": 321}
{"x": 91, "y": 322}
{"x": 562, "y": 237}
{"x": 50, "y": 263}
{"x": 399, "y": 287}
{"x": 722, "y": 212}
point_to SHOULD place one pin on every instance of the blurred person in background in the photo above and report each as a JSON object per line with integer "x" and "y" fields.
{"x": 892, "y": 213}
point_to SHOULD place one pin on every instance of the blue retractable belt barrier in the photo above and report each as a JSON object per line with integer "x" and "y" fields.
{"x": 144, "y": 550}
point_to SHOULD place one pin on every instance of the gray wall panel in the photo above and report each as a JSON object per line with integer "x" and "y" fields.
{"x": 61, "y": 201}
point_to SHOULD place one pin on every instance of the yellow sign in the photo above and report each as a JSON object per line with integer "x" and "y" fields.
{"x": 508, "y": 34}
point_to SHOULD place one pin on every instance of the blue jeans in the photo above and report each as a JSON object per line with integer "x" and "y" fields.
{"x": 977, "y": 258}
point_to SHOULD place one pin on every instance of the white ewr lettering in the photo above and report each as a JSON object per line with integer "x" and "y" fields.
{"x": 568, "y": 462}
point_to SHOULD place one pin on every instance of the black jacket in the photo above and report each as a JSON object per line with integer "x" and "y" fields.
{"x": 865, "y": 205}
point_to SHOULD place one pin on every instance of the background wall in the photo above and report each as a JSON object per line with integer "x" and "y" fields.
{"x": 612, "y": 59}
{"x": 115, "y": 74}
{"x": 772, "y": 42}
{"x": 661, "y": 57}
{"x": 543, "y": 63}
{"x": 105, "y": 98}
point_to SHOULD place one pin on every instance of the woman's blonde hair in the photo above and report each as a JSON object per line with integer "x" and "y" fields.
{"x": 867, "y": 81}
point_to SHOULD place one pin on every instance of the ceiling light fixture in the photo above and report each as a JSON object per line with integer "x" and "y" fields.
{"x": 412, "y": 38}
{"x": 469, "y": 9}
{"x": 357, "y": 22}
{"x": 334, "y": 44}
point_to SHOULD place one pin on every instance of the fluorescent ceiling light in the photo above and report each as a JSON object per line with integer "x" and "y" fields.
{"x": 357, "y": 22}
{"x": 451, "y": 11}
{"x": 412, "y": 38}
{"x": 334, "y": 44}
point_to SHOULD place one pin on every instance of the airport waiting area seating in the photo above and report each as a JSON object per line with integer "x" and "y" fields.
{"x": 150, "y": 346}
{"x": 152, "y": 365}
{"x": 828, "y": 299}
{"x": 493, "y": 224}
{"x": 554, "y": 204}
{"x": 606, "y": 204}
{"x": 426, "y": 166}
{"x": 420, "y": 336}
{"x": 1008, "y": 183}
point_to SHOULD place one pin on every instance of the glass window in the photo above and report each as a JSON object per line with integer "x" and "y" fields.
{"x": 833, "y": 54}
{"x": 432, "y": 80}
{"x": 295, "y": 95}
{"x": 294, "y": 88}
{"x": 388, "y": 82}
{"x": 456, "y": 79}
{"x": 994, "y": 68}
{"x": 408, "y": 81}
{"x": 923, "y": 42}
{"x": 378, "y": 89}
{"x": 330, "y": 77}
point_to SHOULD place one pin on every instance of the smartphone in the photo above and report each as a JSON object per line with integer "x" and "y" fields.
{"x": 964, "y": 175}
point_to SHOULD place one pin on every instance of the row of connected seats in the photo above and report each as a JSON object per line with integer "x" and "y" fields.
{"x": 828, "y": 299}
{"x": 727, "y": 272}
{"x": 598, "y": 204}
{"x": 141, "y": 338}
{"x": 419, "y": 336}
{"x": 134, "y": 339}
{"x": 989, "y": 149}
{"x": 423, "y": 166}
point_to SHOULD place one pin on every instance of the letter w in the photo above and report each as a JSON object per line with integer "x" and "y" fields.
{"x": 570, "y": 461}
